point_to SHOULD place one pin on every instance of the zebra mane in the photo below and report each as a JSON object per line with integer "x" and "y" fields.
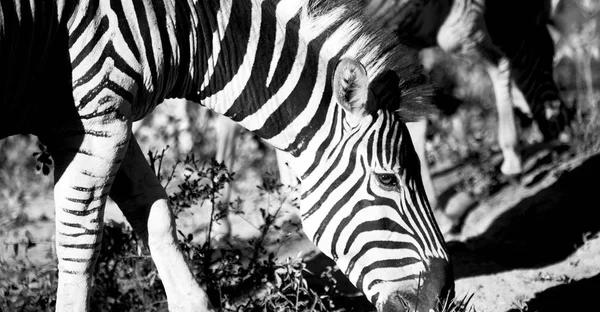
{"x": 396, "y": 77}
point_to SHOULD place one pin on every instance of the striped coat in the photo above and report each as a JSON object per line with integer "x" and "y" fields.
{"x": 314, "y": 79}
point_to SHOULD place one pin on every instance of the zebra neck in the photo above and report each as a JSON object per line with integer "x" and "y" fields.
{"x": 255, "y": 67}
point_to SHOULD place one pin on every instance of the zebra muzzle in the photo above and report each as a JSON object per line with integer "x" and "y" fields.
{"x": 435, "y": 289}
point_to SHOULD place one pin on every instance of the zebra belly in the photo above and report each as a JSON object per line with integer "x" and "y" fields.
{"x": 35, "y": 76}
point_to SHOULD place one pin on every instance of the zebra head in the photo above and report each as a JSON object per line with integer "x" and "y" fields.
{"x": 363, "y": 203}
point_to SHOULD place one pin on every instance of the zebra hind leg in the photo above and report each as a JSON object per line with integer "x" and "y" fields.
{"x": 143, "y": 200}
{"x": 87, "y": 157}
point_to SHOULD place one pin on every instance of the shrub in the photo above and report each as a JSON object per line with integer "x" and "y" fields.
{"x": 125, "y": 279}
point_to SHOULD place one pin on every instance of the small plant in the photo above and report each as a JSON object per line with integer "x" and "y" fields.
{"x": 25, "y": 286}
{"x": 242, "y": 276}
{"x": 125, "y": 278}
{"x": 458, "y": 304}
{"x": 43, "y": 159}
{"x": 520, "y": 306}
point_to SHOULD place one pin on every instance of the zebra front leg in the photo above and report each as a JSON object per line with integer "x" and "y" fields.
{"x": 87, "y": 158}
{"x": 507, "y": 128}
{"x": 143, "y": 200}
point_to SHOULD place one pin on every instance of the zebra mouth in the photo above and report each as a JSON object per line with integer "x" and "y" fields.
{"x": 434, "y": 289}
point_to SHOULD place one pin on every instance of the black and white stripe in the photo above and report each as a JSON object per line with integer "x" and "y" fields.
{"x": 271, "y": 66}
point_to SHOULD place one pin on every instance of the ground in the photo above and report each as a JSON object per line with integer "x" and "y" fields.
{"x": 536, "y": 247}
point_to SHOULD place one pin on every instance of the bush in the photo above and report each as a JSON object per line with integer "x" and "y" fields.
{"x": 249, "y": 278}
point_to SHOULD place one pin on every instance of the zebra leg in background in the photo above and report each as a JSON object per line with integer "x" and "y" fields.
{"x": 418, "y": 130}
{"x": 87, "y": 157}
{"x": 286, "y": 174}
{"x": 172, "y": 110}
{"x": 185, "y": 141}
{"x": 459, "y": 132}
{"x": 227, "y": 133}
{"x": 143, "y": 201}
{"x": 467, "y": 33}
{"x": 507, "y": 128}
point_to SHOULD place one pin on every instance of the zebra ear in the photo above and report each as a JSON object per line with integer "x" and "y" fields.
{"x": 351, "y": 87}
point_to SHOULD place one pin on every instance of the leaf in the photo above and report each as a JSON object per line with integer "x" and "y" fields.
{"x": 30, "y": 240}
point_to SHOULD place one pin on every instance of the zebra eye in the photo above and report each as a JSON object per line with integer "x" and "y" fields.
{"x": 387, "y": 179}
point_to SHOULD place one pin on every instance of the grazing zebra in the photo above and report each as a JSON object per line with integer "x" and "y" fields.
{"x": 517, "y": 52}
{"x": 312, "y": 78}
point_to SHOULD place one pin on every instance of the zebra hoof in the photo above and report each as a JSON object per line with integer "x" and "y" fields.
{"x": 511, "y": 166}
{"x": 564, "y": 137}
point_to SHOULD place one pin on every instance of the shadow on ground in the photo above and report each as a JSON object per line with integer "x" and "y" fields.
{"x": 576, "y": 296}
{"x": 456, "y": 203}
{"x": 542, "y": 229}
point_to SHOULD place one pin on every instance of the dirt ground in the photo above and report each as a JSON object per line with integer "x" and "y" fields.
{"x": 534, "y": 246}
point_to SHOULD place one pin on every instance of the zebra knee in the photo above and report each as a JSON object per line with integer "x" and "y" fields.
{"x": 160, "y": 226}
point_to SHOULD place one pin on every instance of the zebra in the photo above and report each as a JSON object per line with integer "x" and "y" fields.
{"x": 312, "y": 78}
{"x": 517, "y": 54}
